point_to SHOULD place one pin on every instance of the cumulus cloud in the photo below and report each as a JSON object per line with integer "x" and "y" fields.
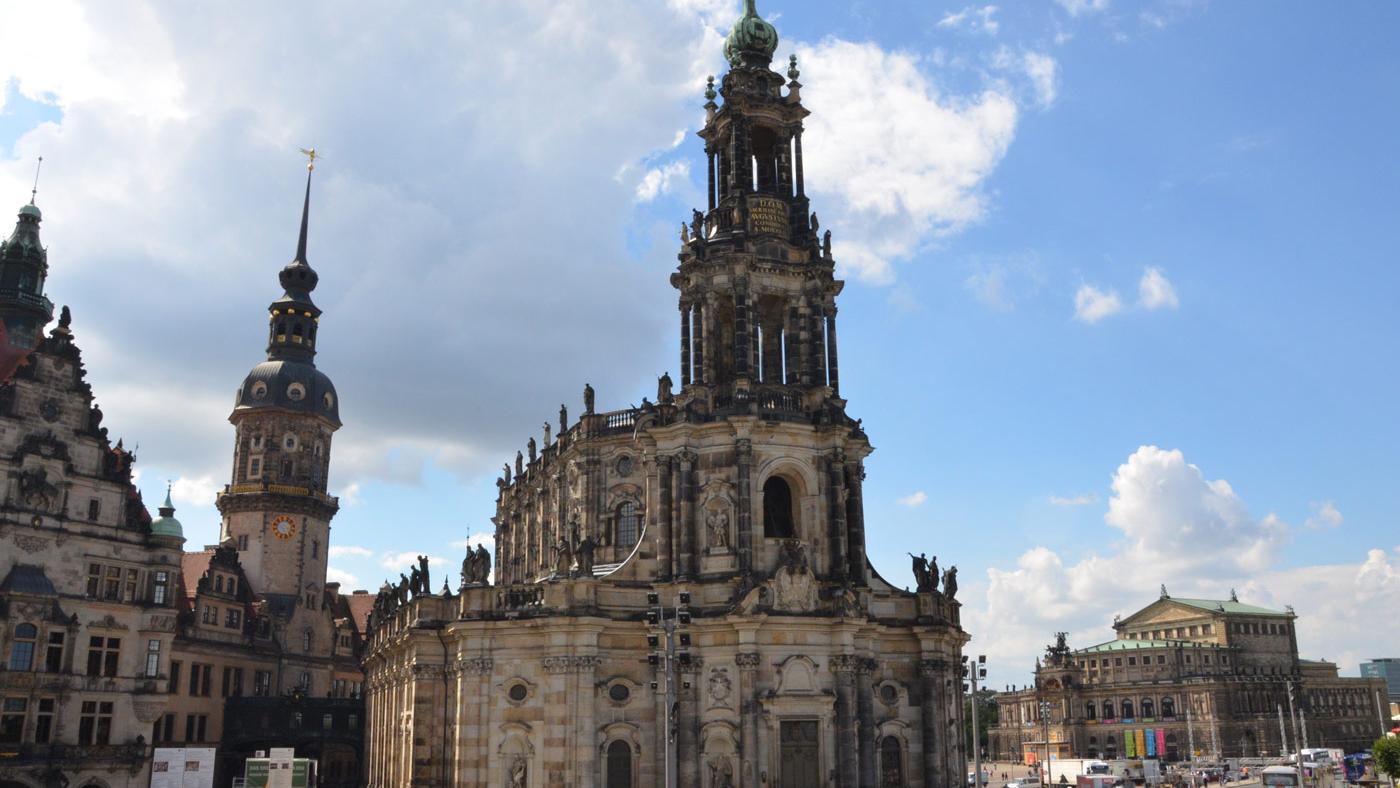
{"x": 1154, "y": 291}
{"x": 658, "y": 180}
{"x": 1173, "y": 525}
{"x": 1324, "y": 516}
{"x": 1042, "y": 70}
{"x": 1092, "y": 304}
{"x": 914, "y": 499}
{"x": 346, "y": 579}
{"x": 350, "y": 551}
{"x": 1076, "y": 500}
{"x": 893, "y": 158}
{"x": 972, "y": 19}
{"x": 195, "y": 492}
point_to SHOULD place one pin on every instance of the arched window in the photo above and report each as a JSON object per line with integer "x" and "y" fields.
{"x": 777, "y": 509}
{"x": 891, "y": 763}
{"x": 1108, "y": 710}
{"x": 619, "y": 764}
{"x": 22, "y": 651}
{"x": 218, "y": 584}
{"x": 629, "y": 524}
{"x": 1089, "y": 710}
{"x": 1093, "y": 746}
{"x": 1147, "y": 707}
{"x": 1168, "y": 707}
{"x": 1127, "y": 709}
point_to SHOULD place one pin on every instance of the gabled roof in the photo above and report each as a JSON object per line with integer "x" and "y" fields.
{"x": 360, "y": 603}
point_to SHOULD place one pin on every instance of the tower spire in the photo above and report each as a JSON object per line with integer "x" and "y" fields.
{"x": 34, "y": 192}
{"x": 311, "y": 155}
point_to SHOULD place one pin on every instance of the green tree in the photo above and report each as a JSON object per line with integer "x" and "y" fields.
{"x": 986, "y": 718}
{"x": 1386, "y": 751}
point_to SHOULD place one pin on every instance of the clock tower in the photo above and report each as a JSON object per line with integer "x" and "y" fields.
{"x": 275, "y": 510}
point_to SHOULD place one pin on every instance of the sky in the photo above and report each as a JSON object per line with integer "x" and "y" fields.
{"x": 1121, "y": 277}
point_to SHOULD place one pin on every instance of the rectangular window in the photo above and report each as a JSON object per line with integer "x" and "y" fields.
{"x": 152, "y": 658}
{"x": 173, "y": 687}
{"x": 189, "y": 728}
{"x": 12, "y": 713}
{"x": 53, "y": 654}
{"x": 210, "y": 615}
{"x": 233, "y": 618}
{"x": 1117, "y": 662}
{"x": 94, "y": 580}
{"x": 132, "y": 576}
{"x": 94, "y": 509}
{"x": 315, "y": 549}
{"x": 242, "y": 541}
{"x": 353, "y": 721}
{"x": 43, "y": 721}
{"x": 262, "y": 683}
{"x": 165, "y": 729}
{"x": 194, "y": 678}
{"x": 95, "y": 724}
{"x": 161, "y": 588}
{"x": 305, "y": 682}
{"x": 255, "y": 467}
{"x": 1132, "y": 660}
{"x": 112, "y": 584}
{"x": 201, "y": 728}
{"x": 206, "y": 675}
{"x": 327, "y": 721}
{"x": 1161, "y": 659}
{"x": 102, "y": 656}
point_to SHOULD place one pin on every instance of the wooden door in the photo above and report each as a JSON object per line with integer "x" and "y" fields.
{"x": 798, "y": 764}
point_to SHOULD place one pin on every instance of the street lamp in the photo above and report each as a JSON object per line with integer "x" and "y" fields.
{"x": 668, "y": 624}
{"x": 1045, "y": 765}
{"x": 973, "y": 672}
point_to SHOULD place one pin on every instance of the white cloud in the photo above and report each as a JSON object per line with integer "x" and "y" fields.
{"x": 347, "y": 580}
{"x": 1154, "y": 291}
{"x": 476, "y": 540}
{"x": 1077, "y": 500}
{"x": 349, "y": 495}
{"x": 914, "y": 499}
{"x": 973, "y": 19}
{"x": 195, "y": 492}
{"x": 350, "y": 551}
{"x": 658, "y": 180}
{"x": 1324, "y": 516}
{"x": 1004, "y": 283}
{"x": 1175, "y": 526}
{"x": 1092, "y": 304}
{"x": 402, "y": 561}
{"x": 1043, "y": 73}
{"x": 1079, "y": 7}
{"x": 896, "y": 161}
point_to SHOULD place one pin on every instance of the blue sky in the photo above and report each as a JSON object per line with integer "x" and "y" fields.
{"x": 1121, "y": 276}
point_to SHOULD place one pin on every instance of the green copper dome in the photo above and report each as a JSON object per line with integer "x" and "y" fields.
{"x": 751, "y": 41}
{"x": 166, "y": 524}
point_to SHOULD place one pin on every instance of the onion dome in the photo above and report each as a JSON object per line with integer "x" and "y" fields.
{"x": 751, "y": 41}
{"x": 24, "y": 264}
{"x": 166, "y": 524}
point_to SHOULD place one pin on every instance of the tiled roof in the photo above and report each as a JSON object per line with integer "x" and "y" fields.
{"x": 1228, "y": 606}
{"x": 192, "y": 567}
{"x": 360, "y": 606}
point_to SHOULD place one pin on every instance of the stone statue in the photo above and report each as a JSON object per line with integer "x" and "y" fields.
{"x": 1164, "y": 591}
{"x": 826, "y": 244}
{"x": 476, "y": 567}
{"x": 483, "y": 563}
{"x": 663, "y": 388}
{"x": 423, "y": 574}
{"x": 415, "y": 581}
{"x": 519, "y": 464}
{"x": 585, "y": 555}
{"x": 587, "y": 400}
{"x": 547, "y": 428}
{"x": 816, "y": 225}
{"x": 685, "y": 233}
{"x": 65, "y": 317}
{"x": 518, "y": 774}
{"x": 563, "y": 420}
{"x": 721, "y": 772}
{"x": 505, "y": 473}
{"x": 532, "y": 448}
{"x": 925, "y": 575}
{"x": 950, "y": 582}
{"x": 563, "y": 558}
{"x": 697, "y": 224}
{"x": 717, "y": 525}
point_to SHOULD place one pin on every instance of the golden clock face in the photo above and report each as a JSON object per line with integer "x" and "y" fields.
{"x": 284, "y": 527}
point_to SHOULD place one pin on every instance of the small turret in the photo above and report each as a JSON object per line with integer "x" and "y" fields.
{"x": 166, "y": 524}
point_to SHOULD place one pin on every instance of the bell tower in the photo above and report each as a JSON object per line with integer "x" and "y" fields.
{"x": 757, "y": 292}
{"x": 275, "y": 509}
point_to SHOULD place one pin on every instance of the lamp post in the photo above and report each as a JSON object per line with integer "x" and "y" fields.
{"x": 973, "y": 672}
{"x": 665, "y": 656}
{"x": 1045, "y": 766}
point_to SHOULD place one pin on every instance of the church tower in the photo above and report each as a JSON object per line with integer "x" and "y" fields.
{"x": 275, "y": 508}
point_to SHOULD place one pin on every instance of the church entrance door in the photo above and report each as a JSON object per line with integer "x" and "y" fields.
{"x": 798, "y": 764}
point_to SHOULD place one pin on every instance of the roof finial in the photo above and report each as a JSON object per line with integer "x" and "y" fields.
{"x": 311, "y": 156}
{"x": 34, "y": 192}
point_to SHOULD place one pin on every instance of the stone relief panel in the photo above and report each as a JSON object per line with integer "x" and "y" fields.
{"x": 797, "y": 676}
{"x": 719, "y": 754}
{"x": 719, "y": 687}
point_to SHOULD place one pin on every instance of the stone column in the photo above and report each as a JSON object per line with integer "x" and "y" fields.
{"x": 819, "y": 346}
{"x": 790, "y": 351}
{"x": 585, "y": 749}
{"x": 556, "y": 759}
{"x": 665, "y": 541}
{"x": 784, "y": 164}
{"x": 804, "y": 343}
{"x": 743, "y": 345}
{"x": 847, "y": 751}
{"x": 931, "y": 716}
{"x": 831, "y": 367}
{"x": 855, "y": 523}
{"x": 685, "y": 334}
{"x": 704, "y": 360}
{"x": 798, "y": 155}
{"x": 749, "y": 767}
{"x": 688, "y": 735}
{"x": 836, "y": 511}
{"x": 744, "y": 450}
{"x": 865, "y": 717}
{"x": 710, "y": 190}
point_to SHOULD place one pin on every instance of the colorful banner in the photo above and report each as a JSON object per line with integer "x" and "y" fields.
{"x": 1162, "y": 742}
{"x": 1141, "y": 748}
{"x": 1151, "y": 742}
{"x": 1128, "y": 744}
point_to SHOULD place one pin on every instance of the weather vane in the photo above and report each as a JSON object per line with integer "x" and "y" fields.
{"x": 34, "y": 192}
{"x": 311, "y": 155}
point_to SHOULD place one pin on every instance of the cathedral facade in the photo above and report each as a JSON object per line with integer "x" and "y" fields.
{"x": 681, "y": 593}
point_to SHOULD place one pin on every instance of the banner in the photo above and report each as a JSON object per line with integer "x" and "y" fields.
{"x": 1141, "y": 748}
{"x": 1151, "y": 742}
{"x": 1162, "y": 742}
{"x": 1128, "y": 744}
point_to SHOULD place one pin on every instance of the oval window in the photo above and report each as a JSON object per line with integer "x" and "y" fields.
{"x": 619, "y": 693}
{"x": 296, "y": 392}
{"x": 517, "y": 692}
{"x": 328, "y": 400}
{"x": 259, "y": 390}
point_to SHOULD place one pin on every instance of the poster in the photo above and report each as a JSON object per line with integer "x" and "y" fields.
{"x": 199, "y": 768}
{"x": 279, "y": 767}
{"x": 167, "y": 767}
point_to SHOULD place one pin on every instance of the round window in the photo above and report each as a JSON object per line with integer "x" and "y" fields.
{"x": 259, "y": 390}
{"x": 624, "y": 466}
{"x": 619, "y": 693}
{"x": 296, "y": 392}
{"x": 517, "y": 692}
{"x": 889, "y": 694}
{"x": 328, "y": 401}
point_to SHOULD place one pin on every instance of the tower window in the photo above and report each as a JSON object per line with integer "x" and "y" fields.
{"x": 289, "y": 441}
{"x": 22, "y": 649}
{"x": 777, "y": 509}
{"x": 257, "y": 439}
{"x": 255, "y": 467}
{"x": 629, "y": 524}
{"x": 286, "y": 469}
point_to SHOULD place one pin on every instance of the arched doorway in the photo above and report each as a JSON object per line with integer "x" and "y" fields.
{"x": 619, "y": 764}
{"x": 777, "y": 509}
{"x": 891, "y": 763}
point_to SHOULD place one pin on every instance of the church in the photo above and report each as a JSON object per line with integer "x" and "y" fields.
{"x": 681, "y": 594}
